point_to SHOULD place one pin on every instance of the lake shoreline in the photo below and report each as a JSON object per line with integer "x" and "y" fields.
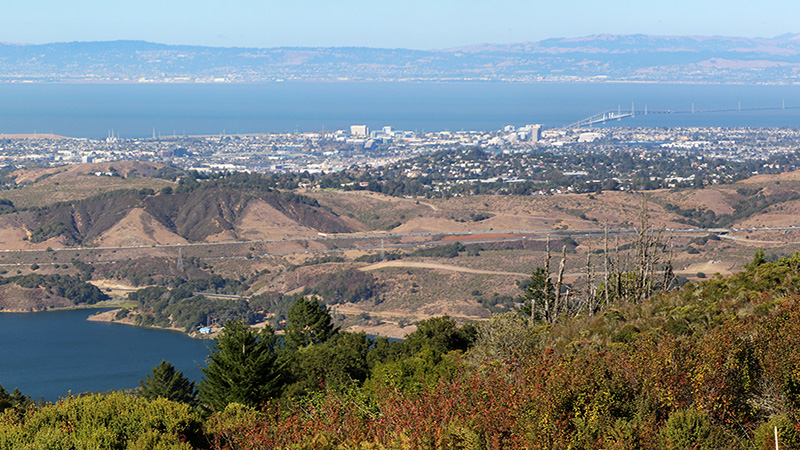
{"x": 106, "y": 313}
{"x": 110, "y": 317}
{"x": 55, "y": 308}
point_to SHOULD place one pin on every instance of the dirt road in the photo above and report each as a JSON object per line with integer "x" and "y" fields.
{"x": 422, "y": 265}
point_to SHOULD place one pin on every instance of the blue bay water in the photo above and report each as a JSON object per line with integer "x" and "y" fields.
{"x": 48, "y": 354}
{"x": 134, "y": 110}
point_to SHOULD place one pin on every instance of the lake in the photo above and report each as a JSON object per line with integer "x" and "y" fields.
{"x": 48, "y": 354}
{"x": 136, "y": 110}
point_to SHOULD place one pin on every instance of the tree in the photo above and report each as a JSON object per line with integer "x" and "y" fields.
{"x": 440, "y": 335}
{"x": 309, "y": 323}
{"x": 759, "y": 258}
{"x": 243, "y": 367}
{"x": 335, "y": 364}
{"x": 167, "y": 382}
{"x": 537, "y": 289}
{"x": 14, "y": 399}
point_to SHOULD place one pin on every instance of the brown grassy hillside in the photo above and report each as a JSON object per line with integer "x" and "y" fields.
{"x": 237, "y": 230}
{"x": 169, "y": 218}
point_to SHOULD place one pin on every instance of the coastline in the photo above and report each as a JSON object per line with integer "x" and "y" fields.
{"x": 54, "y": 308}
{"x": 110, "y": 317}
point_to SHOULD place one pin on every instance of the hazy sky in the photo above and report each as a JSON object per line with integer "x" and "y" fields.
{"x": 418, "y": 24}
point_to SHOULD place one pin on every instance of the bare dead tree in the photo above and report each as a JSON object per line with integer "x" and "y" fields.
{"x": 589, "y": 300}
{"x": 606, "y": 268}
{"x": 618, "y": 270}
{"x": 559, "y": 283}
{"x": 632, "y": 273}
{"x": 625, "y": 283}
{"x": 642, "y": 246}
{"x": 546, "y": 285}
{"x": 669, "y": 274}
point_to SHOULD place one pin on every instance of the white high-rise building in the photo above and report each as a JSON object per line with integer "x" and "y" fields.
{"x": 535, "y": 132}
{"x": 360, "y": 131}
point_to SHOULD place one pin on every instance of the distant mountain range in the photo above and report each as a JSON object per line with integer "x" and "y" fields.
{"x": 641, "y": 58}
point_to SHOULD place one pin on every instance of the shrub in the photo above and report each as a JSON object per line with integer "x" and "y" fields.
{"x": 689, "y": 429}
{"x": 788, "y": 436}
{"x": 104, "y": 421}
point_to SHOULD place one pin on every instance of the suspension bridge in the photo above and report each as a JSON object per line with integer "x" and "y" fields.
{"x": 619, "y": 113}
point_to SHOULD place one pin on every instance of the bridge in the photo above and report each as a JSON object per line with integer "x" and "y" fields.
{"x": 619, "y": 114}
{"x": 602, "y": 117}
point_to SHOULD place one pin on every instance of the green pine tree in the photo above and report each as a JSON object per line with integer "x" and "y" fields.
{"x": 538, "y": 292}
{"x": 14, "y": 399}
{"x": 167, "y": 382}
{"x": 243, "y": 368}
{"x": 336, "y": 364}
{"x": 309, "y": 323}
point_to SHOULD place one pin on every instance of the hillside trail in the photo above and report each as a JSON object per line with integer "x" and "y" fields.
{"x": 436, "y": 266}
{"x": 751, "y": 241}
{"x": 389, "y": 198}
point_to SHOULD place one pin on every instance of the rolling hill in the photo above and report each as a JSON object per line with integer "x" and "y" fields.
{"x": 463, "y": 256}
{"x": 590, "y": 58}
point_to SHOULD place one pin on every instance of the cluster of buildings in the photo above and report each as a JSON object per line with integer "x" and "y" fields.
{"x": 361, "y": 147}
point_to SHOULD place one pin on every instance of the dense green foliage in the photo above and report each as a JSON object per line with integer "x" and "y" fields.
{"x": 309, "y": 323}
{"x": 167, "y": 382}
{"x": 15, "y": 399}
{"x": 338, "y": 363}
{"x": 116, "y": 421}
{"x": 440, "y": 251}
{"x": 184, "y": 305}
{"x": 67, "y": 286}
{"x": 214, "y": 300}
{"x": 344, "y": 286}
{"x": 243, "y": 368}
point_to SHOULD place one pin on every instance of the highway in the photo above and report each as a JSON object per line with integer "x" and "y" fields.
{"x": 435, "y": 238}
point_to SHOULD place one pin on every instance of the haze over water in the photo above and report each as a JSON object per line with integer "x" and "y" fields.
{"x": 134, "y": 110}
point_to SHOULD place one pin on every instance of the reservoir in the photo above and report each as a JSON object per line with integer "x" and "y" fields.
{"x": 48, "y": 354}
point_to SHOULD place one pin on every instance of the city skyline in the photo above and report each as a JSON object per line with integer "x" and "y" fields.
{"x": 414, "y": 24}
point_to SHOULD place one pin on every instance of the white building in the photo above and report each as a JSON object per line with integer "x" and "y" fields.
{"x": 359, "y": 131}
{"x": 535, "y": 132}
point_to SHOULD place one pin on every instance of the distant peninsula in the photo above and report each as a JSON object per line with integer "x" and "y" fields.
{"x": 597, "y": 58}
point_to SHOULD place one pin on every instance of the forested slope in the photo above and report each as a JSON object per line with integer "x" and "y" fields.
{"x": 710, "y": 365}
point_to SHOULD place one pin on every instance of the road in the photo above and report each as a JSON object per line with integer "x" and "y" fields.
{"x": 422, "y": 265}
{"x": 435, "y": 239}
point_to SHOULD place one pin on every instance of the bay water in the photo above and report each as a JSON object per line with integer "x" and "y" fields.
{"x": 139, "y": 110}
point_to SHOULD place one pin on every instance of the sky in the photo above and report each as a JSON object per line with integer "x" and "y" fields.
{"x": 413, "y": 24}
